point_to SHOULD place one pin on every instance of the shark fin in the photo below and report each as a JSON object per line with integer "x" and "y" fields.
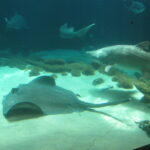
{"x": 65, "y": 29}
{"x": 145, "y": 46}
{"x": 82, "y": 32}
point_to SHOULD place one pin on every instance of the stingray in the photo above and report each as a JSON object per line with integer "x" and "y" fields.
{"x": 43, "y": 95}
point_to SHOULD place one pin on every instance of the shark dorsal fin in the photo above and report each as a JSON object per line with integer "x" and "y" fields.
{"x": 65, "y": 28}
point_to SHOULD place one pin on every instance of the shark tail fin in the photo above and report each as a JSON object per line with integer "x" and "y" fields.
{"x": 144, "y": 45}
{"x": 82, "y": 32}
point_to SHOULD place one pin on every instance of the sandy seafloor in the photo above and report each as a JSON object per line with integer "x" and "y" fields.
{"x": 78, "y": 130}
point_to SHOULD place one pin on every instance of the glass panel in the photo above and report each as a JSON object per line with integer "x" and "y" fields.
{"x": 74, "y": 74}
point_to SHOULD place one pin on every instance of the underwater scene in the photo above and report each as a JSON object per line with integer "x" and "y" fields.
{"x": 74, "y": 74}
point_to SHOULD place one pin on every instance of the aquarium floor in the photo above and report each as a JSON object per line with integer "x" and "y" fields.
{"x": 78, "y": 130}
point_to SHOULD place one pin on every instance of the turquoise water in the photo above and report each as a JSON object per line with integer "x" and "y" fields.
{"x": 65, "y": 131}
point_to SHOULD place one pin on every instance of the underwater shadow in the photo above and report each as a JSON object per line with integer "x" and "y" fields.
{"x": 20, "y": 112}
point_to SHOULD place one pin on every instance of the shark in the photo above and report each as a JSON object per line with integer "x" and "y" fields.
{"x": 44, "y": 96}
{"x": 135, "y": 57}
{"x": 69, "y": 32}
{"x": 135, "y": 6}
{"x": 17, "y": 22}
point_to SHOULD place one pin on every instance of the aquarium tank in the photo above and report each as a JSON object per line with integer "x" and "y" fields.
{"x": 74, "y": 74}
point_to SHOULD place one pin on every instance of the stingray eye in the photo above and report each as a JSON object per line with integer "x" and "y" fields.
{"x": 14, "y": 90}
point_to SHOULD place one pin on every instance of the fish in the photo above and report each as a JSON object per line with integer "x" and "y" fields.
{"x": 135, "y": 7}
{"x": 17, "y": 22}
{"x": 69, "y": 32}
{"x": 44, "y": 96}
{"x": 136, "y": 57}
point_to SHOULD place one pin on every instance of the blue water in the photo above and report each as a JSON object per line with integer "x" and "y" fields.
{"x": 115, "y": 24}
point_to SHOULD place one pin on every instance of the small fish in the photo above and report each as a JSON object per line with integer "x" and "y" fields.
{"x": 69, "y": 33}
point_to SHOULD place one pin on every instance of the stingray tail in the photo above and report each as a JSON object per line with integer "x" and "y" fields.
{"x": 106, "y": 114}
{"x": 85, "y": 104}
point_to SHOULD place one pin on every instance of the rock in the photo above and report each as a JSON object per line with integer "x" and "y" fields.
{"x": 34, "y": 71}
{"x": 95, "y": 65}
{"x": 88, "y": 71}
{"x": 143, "y": 87}
{"x": 76, "y": 73}
{"x": 146, "y": 99}
{"x": 123, "y": 81}
{"x": 97, "y": 81}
